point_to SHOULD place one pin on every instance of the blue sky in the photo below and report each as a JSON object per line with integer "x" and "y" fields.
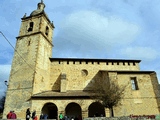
{"x": 107, "y": 29}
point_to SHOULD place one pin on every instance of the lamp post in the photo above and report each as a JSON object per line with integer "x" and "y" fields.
{"x": 6, "y": 83}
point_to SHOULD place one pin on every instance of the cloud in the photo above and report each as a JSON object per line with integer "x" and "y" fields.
{"x": 89, "y": 30}
{"x": 145, "y": 53}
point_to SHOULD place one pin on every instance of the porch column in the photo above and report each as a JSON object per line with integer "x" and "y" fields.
{"x": 84, "y": 114}
{"x": 107, "y": 112}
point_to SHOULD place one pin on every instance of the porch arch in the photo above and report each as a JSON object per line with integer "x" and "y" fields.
{"x": 73, "y": 110}
{"x": 51, "y": 110}
{"x": 96, "y": 109}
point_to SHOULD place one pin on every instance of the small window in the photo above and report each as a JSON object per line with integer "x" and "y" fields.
{"x": 29, "y": 42}
{"x": 30, "y": 26}
{"x": 134, "y": 83}
{"x": 47, "y": 30}
{"x": 84, "y": 72}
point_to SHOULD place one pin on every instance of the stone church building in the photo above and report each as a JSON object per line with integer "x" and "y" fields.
{"x": 60, "y": 85}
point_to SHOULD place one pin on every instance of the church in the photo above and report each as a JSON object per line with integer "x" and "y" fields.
{"x": 60, "y": 85}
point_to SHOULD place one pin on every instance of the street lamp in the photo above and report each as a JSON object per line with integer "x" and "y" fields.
{"x": 6, "y": 83}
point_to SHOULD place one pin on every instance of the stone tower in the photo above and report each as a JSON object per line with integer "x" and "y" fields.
{"x": 31, "y": 61}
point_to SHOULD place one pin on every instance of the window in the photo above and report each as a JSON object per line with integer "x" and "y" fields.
{"x": 29, "y": 42}
{"x": 134, "y": 83}
{"x": 30, "y": 26}
{"x": 84, "y": 72}
{"x": 47, "y": 30}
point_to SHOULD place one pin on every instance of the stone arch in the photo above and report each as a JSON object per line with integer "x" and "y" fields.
{"x": 31, "y": 24}
{"x": 96, "y": 109}
{"x": 47, "y": 30}
{"x": 73, "y": 110}
{"x": 51, "y": 110}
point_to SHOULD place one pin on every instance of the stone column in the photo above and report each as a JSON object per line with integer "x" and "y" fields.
{"x": 107, "y": 112}
{"x": 84, "y": 114}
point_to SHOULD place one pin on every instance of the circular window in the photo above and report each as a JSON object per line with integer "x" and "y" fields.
{"x": 84, "y": 72}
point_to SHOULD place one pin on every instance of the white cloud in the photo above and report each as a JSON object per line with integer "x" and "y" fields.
{"x": 145, "y": 53}
{"x": 90, "y": 28}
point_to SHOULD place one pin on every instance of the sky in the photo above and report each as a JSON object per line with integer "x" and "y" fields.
{"x": 102, "y": 29}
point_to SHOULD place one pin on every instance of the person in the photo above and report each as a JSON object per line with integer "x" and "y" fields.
{"x": 61, "y": 116}
{"x": 13, "y": 116}
{"x": 28, "y": 114}
{"x": 35, "y": 117}
{"x": 45, "y": 116}
{"x": 33, "y": 114}
{"x": 9, "y": 115}
{"x": 72, "y": 118}
{"x": 41, "y": 116}
{"x": 65, "y": 117}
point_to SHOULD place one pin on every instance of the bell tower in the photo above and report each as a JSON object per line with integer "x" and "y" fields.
{"x": 30, "y": 71}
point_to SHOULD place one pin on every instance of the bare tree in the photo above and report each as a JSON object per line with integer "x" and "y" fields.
{"x": 107, "y": 91}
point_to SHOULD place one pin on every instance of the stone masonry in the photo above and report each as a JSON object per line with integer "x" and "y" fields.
{"x": 60, "y": 85}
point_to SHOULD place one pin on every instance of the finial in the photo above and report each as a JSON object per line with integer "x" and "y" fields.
{"x": 25, "y": 15}
{"x": 52, "y": 24}
{"x": 41, "y": 5}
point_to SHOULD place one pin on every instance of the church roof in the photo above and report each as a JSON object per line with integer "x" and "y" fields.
{"x": 68, "y": 94}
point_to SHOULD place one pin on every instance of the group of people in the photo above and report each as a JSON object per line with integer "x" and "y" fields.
{"x": 61, "y": 117}
{"x": 29, "y": 115}
{"x": 11, "y": 115}
{"x": 33, "y": 116}
{"x": 43, "y": 116}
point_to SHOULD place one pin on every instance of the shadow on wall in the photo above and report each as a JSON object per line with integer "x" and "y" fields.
{"x": 56, "y": 85}
{"x": 100, "y": 77}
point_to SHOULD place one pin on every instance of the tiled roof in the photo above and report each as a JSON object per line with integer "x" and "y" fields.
{"x": 57, "y": 94}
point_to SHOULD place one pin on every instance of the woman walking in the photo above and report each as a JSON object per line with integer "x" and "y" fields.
{"x": 28, "y": 114}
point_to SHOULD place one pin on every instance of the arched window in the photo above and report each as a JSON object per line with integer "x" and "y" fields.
{"x": 47, "y": 30}
{"x": 30, "y": 26}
